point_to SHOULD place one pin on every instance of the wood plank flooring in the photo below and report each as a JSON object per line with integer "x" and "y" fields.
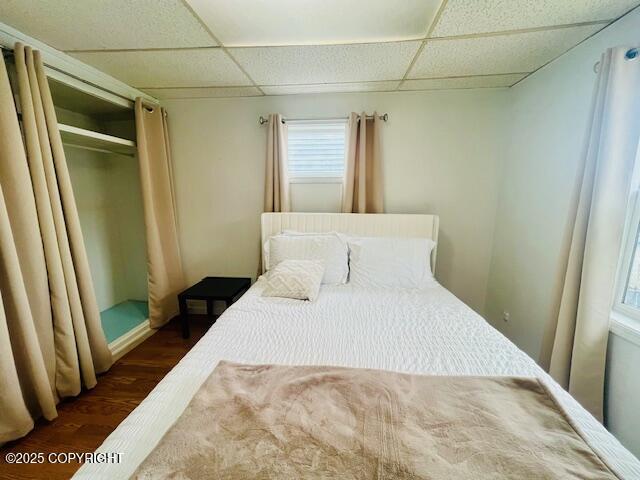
{"x": 85, "y": 421}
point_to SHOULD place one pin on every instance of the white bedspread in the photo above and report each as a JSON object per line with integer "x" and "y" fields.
{"x": 429, "y": 332}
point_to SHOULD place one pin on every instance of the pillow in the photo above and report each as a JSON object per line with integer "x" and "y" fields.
{"x": 299, "y": 279}
{"x": 390, "y": 262}
{"x": 331, "y": 249}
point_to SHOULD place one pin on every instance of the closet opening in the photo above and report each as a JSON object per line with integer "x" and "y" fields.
{"x": 99, "y": 141}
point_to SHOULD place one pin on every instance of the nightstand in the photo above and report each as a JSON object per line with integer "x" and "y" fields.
{"x": 226, "y": 289}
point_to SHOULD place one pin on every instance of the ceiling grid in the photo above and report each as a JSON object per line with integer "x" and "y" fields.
{"x": 228, "y": 48}
{"x": 197, "y": 17}
{"x": 430, "y": 29}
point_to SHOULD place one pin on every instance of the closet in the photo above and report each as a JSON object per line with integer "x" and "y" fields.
{"x": 98, "y": 132}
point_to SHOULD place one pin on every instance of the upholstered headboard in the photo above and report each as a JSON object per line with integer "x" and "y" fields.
{"x": 361, "y": 224}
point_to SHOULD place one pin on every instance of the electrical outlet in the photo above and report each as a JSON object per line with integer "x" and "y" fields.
{"x": 505, "y": 316}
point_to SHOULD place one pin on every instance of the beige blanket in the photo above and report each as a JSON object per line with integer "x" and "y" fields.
{"x": 285, "y": 422}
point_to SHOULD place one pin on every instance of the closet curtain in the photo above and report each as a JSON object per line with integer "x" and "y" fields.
{"x": 362, "y": 192}
{"x": 51, "y": 338}
{"x": 276, "y": 187}
{"x": 165, "y": 276}
{"x": 575, "y": 343}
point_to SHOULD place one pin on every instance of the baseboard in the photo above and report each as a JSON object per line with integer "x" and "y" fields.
{"x": 130, "y": 340}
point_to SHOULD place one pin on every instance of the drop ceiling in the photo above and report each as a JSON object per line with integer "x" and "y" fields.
{"x": 229, "y": 48}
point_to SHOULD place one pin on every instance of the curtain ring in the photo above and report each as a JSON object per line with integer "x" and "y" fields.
{"x": 631, "y": 54}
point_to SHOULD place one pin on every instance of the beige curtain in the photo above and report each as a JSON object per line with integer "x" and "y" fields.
{"x": 574, "y": 347}
{"x": 362, "y": 192}
{"x": 164, "y": 264}
{"x": 276, "y": 187}
{"x": 51, "y": 337}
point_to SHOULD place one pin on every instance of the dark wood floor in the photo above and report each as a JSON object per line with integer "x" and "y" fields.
{"x": 84, "y": 422}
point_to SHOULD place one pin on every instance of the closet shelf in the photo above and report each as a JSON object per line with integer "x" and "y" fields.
{"x": 91, "y": 140}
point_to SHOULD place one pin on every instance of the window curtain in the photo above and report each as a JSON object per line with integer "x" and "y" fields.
{"x": 51, "y": 338}
{"x": 362, "y": 192}
{"x": 575, "y": 343}
{"x": 165, "y": 275}
{"x": 276, "y": 187}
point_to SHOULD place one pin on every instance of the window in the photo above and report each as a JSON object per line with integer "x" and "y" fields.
{"x": 316, "y": 149}
{"x": 631, "y": 293}
{"x": 628, "y": 296}
{"x": 625, "y": 317}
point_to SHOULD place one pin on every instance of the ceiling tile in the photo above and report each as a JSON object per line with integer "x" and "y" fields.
{"x": 112, "y": 24}
{"x": 330, "y": 88}
{"x": 326, "y": 63}
{"x": 512, "y": 53}
{"x": 485, "y": 81}
{"x": 461, "y": 17}
{"x": 209, "y": 67}
{"x": 294, "y": 22}
{"x": 213, "y": 92}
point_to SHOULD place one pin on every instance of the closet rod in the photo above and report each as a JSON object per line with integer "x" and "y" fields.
{"x": 261, "y": 120}
{"x": 9, "y": 53}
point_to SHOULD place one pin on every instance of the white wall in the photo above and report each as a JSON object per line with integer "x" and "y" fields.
{"x": 107, "y": 192}
{"x": 316, "y": 197}
{"x": 548, "y": 114}
{"x": 622, "y": 395}
{"x": 441, "y": 154}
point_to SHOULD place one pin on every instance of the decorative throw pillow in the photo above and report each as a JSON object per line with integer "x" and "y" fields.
{"x": 329, "y": 248}
{"x": 299, "y": 279}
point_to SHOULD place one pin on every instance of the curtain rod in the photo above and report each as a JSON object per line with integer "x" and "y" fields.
{"x": 630, "y": 54}
{"x": 9, "y": 53}
{"x": 261, "y": 120}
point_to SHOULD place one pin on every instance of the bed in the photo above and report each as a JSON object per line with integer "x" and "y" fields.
{"x": 428, "y": 331}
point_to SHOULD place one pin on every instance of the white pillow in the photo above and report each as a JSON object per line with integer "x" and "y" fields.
{"x": 299, "y": 279}
{"x": 390, "y": 262}
{"x": 331, "y": 249}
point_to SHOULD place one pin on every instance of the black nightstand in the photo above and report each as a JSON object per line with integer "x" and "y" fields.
{"x": 226, "y": 289}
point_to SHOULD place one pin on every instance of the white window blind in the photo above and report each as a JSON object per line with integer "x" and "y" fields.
{"x": 316, "y": 148}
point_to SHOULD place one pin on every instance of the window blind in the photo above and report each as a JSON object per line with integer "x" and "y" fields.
{"x": 316, "y": 148}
